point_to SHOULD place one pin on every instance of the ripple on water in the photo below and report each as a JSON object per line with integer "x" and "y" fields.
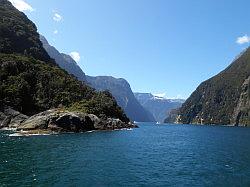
{"x": 151, "y": 155}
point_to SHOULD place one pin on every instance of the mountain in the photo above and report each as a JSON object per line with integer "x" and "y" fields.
{"x": 158, "y": 106}
{"x": 121, "y": 90}
{"x": 63, "y": 60}
{"x": 222, "y": 99}
{"x": 18, "y": 34}
{"x": 30, "y": 80}
{"x": 171, "y": 118}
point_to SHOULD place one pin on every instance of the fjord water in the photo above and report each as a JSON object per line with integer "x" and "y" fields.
{"x": 152, "y": 155}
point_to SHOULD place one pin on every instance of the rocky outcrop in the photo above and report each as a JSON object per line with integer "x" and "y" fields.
{"x": 11, "y": 119}
{"x": 57, "y": 120}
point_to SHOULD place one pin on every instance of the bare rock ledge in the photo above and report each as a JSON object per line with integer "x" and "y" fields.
{"x": 59, "y": 121}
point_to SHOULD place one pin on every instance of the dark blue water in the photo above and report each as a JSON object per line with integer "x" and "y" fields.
{"x": 176, "y": 155}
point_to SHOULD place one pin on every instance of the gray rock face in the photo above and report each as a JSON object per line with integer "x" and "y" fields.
{"x": 11, "y": 118}
{"x": 124, "y": 96}
{"x": 64, "y": 121}
{"x": 173, "y": 115}
{"x": 242, "y": 111}
{"x": 63, "y": 60}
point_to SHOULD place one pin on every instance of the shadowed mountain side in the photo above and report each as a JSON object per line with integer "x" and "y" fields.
{"x": 119, "y": 88}
{"x": 122, "y": 92}
{"x": 222, "y": 99}
{"x": 18, "y": 34}
{"x": 63, "y": 60}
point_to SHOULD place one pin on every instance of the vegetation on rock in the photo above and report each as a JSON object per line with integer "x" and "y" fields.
{"x": 30, "y": 81}
{"x": 223, "y": 99}
{"x": 18, "y": 34}
{"x": 31, "y": 86}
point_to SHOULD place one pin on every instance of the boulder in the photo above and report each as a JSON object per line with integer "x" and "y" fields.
{"x": 57, "y": 120}
{"x": 38, "y": 121}
{"x": 11, "y": 118}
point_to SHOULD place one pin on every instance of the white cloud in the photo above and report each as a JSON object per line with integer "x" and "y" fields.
{"x": 243, "y": 39}
{"x": 21, "y": 5}
{"x": 76, "y": 56}
{"x": 57, "y": 17}
{"x": 55, "y": 31}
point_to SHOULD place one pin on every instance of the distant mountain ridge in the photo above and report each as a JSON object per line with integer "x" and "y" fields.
{"x": 222, "y": 99}
{"x": 160, "y": 107}
{"x": 63, "y": 60}
{"x": 119, "y": 88}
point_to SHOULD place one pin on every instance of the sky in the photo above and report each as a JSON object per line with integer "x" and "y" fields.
{"x": 166, "y": 47}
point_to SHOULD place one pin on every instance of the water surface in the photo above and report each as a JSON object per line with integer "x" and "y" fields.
{"x": 152, "y": 155}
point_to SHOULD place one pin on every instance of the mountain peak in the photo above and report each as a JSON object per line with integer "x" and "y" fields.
{"x": 65, "y": 61}
{"x": 20, "y": 39}
{"x": 160, "y": 107}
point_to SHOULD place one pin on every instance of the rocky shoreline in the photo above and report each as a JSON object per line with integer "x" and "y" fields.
{"x": 56, "y": 121}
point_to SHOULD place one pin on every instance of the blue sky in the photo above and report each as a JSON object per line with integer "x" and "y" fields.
{"x": 158, "y": 46}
